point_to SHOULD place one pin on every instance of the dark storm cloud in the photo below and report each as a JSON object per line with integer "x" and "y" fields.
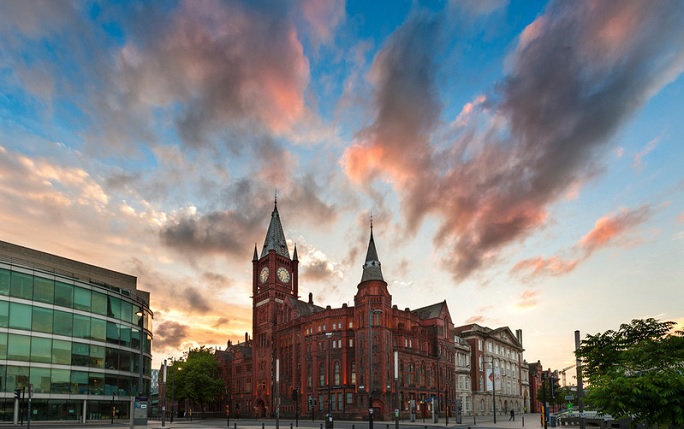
{"x": 307, "y": 194}
{"x": 579, "y": 72}
{"x": 216, "y": 232}
{"x": 169, "y": 334}
{"x": 221, "y": 322}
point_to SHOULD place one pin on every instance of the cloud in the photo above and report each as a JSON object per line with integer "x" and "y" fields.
{"x": 169, "y": 334}
{"x": 608, "y": 230}
{"x": 528, "y": 299}
{"x": 579, "y": 72}
{"x": 539, "y": 266}
{"x": 480, "y": 7}
{"x": 229, "y": 64}
{"x": 316, "y": 266}
{"x": 650, "y": 147}
{"x": 475, "y": 319}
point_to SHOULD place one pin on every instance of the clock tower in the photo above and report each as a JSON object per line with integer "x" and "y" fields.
{"x": 274, "y": 277}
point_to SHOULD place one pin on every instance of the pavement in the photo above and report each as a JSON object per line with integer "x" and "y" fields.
{"x": 468, "y": 422}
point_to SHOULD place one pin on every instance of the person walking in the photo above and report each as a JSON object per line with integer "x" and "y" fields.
{"x": 512, "y": 417}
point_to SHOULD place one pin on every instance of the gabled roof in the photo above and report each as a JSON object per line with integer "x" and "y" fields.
{"x": 303, "y": 308}
{"x": 275, "y": 237}
{"x": 371, "y": 268}
{"x": 433, "y": 311}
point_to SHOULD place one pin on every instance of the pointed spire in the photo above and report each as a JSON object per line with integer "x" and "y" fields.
{"x": 275, "y": 237}
{"x": 371, "y": 268}
{"x": 256, "y": 256}
{"x": 294, "y": 256}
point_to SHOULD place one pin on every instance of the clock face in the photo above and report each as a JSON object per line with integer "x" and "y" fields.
{"x": 263, "y": 275}
{"x": 283, "y": 275}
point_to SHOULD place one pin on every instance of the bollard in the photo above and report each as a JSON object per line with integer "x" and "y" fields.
{"x": 290, "y": 425}
{"x": 321, "y": 425}
{"x": 234, "y": 425}
{"x": 262, "y": 426}
{"x": 386, "y": 426}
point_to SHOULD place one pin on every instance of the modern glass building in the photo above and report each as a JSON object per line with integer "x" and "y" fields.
{"x": 70, "y": 333}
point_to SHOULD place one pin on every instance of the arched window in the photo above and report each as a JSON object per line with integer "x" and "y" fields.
{"x": 353, "y": 373}
{"x": 321, "y": 375}
{"x": 337, "y": 373}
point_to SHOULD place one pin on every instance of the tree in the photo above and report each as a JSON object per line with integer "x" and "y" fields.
{"x": 198, "y": 377}
{"x": 636, "y": 372}
{"x": 560, "y": 395}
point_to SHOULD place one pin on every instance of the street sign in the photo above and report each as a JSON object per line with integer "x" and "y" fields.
{"x": 569, "y": 397}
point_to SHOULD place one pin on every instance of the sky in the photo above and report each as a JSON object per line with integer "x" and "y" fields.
{"x": 521, "y": 160}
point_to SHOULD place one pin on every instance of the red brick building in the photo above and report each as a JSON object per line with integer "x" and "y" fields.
{"x": 536, "y": 370}
{"x": 322, "y": 354}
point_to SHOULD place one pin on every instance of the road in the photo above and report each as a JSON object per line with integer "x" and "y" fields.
{"x": 483, "y": 422}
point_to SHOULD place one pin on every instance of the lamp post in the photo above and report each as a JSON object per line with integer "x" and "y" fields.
{"x": 140, "y": 313}
{"x": 493, "y": 389}
{"x": 328, "y": 421}
{"x": 370, "y": 364}
{"x": 163, "y": 389}
{"x": 396, "y": 389}
{"x": 173, "y": 386}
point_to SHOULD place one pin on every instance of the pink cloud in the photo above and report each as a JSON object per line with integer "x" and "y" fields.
{"x": 528, "y": 299}
{"x": 475, "y": 319}
{"x": 539, "y": 266}
{"x": 228, "y": 62}
{"x": 556, "y": 109}
{"x": 609, "y": 229}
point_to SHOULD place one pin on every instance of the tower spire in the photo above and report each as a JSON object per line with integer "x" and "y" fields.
{"x": 371, "y": 267}
{"x": 275, "y": 237}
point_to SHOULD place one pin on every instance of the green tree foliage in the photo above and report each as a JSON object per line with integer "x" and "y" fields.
{"x": 197, "y": 377}
{"x": 559, "y": 400}
{"x": 636, "y": 371}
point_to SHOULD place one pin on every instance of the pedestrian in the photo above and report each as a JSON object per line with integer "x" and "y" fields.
{"x": 512, "y": 417}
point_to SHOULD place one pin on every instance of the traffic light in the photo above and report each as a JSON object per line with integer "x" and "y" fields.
{"x": 227, "y": 409}
{"x": 17, "y": 393}
{"x": 555, "y": 387}
{"x": 310, "y": 402}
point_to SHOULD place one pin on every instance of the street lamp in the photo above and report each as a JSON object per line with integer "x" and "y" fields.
{"x": 370, "y": 365}
{"x": 141, "y": 315}
{"x": 328, "y": 422}
{"x": 163, "y": 390}
{"x": 493, "y": 389}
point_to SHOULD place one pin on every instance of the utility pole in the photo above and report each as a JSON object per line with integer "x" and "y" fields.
{"x": 580, "y": 388}
{"x": 545, "y": 413}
